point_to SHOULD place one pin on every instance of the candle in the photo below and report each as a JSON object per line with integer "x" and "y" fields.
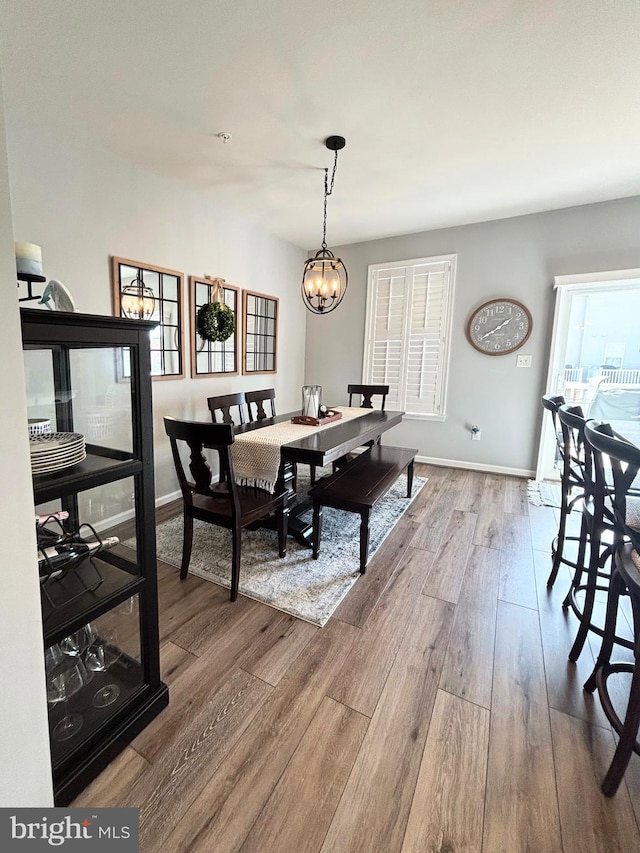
{"x": 28, "y": 259}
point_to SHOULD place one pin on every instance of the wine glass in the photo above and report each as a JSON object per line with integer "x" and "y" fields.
{"x": 101, "y": 654}
{"x": 53, "y": 657}
{"x": 62, "y": 683}
{"x": 76, "y": 644}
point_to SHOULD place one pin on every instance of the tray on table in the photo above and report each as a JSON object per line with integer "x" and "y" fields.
{"x": 309, "y": 420}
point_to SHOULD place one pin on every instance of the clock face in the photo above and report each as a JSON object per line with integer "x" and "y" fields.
{"x": 499, "y": 326}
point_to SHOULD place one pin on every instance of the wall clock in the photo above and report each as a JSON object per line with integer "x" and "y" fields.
{"x": 499, "y": 326}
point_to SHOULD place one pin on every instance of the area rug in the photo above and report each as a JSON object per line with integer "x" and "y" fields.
{"x": 297, "y": 584}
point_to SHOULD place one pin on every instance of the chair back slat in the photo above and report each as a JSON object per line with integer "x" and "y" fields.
{"x": 258, "y": 399}
{"x": 220, "y": 408}
{"x": 578, "y": 468}
{"x": 366, "y": 392}
{"x": 196, "y": 436}
{"x": 552, "y": 404}
{"x": 617, "y": 464}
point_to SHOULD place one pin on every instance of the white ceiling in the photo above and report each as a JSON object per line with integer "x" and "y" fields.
{"x": 454, "y": 111}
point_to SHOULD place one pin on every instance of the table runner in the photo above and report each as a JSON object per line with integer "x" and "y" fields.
{"x": 256, "y": 454}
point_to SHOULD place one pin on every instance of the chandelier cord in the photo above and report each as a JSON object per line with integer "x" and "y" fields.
{"x": 327, "y": 192}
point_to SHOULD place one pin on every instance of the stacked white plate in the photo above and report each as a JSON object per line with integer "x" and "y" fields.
{"x": 56, "y": 450}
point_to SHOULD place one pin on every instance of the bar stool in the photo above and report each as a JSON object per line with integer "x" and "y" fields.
{"x": 571, "y": 477}
{"x": 617, "y": 463}
{"x": 589, "y": 576}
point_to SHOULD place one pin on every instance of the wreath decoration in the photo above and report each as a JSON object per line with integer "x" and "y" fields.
{"x": 215, "y": 322}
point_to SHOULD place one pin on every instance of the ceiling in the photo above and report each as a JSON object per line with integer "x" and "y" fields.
{"x": 454, "y": 111}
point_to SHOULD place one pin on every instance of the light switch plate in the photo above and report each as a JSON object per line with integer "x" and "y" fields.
{"x": 524, "y": 361}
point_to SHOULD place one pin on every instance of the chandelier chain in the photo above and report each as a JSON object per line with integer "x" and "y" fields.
{"x": 327, "y": 192}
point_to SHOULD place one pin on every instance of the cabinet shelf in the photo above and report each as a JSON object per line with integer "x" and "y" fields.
{"x": 92, "y": 375}
{"x": 84, "y": 605}
{"x": 93, "y": 471}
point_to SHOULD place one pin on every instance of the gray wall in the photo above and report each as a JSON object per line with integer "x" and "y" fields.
{"x": 515, "y": 257}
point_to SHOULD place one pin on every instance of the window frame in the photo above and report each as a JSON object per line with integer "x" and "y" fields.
{"x": 446, "y": 329}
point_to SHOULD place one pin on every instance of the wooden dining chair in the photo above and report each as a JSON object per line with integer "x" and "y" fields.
{"x": 257, "y": 399}
{"x": 366, "y": 392}
{"x": 220, "y": 408}
{"x": 225, "y": 504}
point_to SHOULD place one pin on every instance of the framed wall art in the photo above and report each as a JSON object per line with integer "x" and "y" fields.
{"x": 259, "y": 332}
{"x": 146, "y": 292}
{"x": 212, "y": 358}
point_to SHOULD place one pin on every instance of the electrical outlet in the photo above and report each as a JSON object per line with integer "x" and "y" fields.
{"x": 475, "y": 433}
{"x": 524, "y": 361}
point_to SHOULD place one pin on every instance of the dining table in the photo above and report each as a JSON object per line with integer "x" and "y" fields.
{"x": 320, "y": 446}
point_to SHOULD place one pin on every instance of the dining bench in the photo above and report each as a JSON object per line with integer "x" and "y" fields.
{"x": 358, "y": 487}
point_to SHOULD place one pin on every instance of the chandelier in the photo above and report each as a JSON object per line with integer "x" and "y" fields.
{"x": 324, "y": 281}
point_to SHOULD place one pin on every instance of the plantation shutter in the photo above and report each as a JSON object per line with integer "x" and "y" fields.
{"x": 407, "y": 346}
{"x": 387, "y": 349}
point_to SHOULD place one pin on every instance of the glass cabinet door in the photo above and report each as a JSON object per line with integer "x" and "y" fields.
{"x": 92, "y": 674}
{"x": 94, "y": 399}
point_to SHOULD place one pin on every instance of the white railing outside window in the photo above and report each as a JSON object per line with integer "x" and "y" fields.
{"x": 620, "y": 376}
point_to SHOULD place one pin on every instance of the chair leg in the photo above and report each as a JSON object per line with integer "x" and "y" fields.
{"x": 364, "y": 540}
{"x": 616, "y": 587}
{"x": 585, "y": 537}
{"x": 629, "y": 734}
{"x": 187, "y": 544}
{"x": 235, "y": 562}
{"x": 597, "y": 561}
{"x": 312, "y": 471}
{"x": 564, "y": 512}
{"x": 587, "y": 608}
{"x": 317, "y": 528}
{"x": 410, "y": 479}
{"x": 283, "y": 524}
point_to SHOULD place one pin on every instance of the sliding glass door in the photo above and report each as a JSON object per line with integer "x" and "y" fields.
{"x": 595, "y": 354}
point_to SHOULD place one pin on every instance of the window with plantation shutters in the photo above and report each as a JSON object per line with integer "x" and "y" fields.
{"x": 407, "y": 336}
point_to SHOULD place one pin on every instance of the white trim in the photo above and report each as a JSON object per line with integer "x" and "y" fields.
{"x": 595, "y": 277}
{"x": 475, "y": 466}
{"x": 437, "y": 259}
{"x": 416, "y": 416}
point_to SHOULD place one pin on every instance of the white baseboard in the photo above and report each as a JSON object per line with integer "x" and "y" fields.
{"x": 476, "y": 466}
{"x": 112, "y": 521}
{"x": 166, "y": 499}
{"x": 128, "y": 514}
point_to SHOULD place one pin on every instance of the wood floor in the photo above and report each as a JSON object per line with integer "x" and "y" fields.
{"x": 435, "y": 712}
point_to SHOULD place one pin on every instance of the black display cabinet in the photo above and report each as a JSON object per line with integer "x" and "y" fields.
{"x": 88, "y": 382}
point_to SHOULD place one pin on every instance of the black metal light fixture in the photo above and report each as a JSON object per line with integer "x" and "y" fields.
{"x": 137, "y": 300}
{"x": 325, "y": 278}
